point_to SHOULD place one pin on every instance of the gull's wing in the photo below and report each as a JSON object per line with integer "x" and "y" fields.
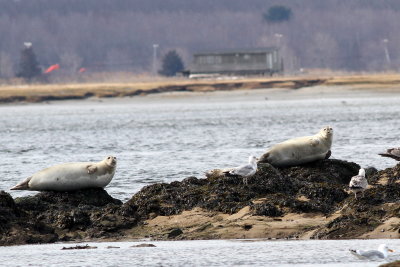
{"x": 244, "y": 170}
{"x": 358, "y": 181}
{"x": 370, "y": 254}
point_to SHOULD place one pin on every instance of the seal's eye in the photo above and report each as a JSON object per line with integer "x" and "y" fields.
{"x": 108, "y": 158}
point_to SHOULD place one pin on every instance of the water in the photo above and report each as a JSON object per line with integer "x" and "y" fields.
{"x": 199, "y": 253}
{"x": 173, "y": 138}
{"x": 164, "y": 140}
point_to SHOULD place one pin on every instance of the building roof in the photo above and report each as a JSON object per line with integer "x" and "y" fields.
{"x": 236, "y": 51}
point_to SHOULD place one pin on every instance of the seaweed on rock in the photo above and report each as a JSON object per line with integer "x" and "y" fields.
{"x": 318, "y": 187}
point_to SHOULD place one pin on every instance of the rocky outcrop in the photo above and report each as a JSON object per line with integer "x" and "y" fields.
{"x": 363, "y": 217}
{"x": 308, "y": 201}
{"x": 61, "y": 216}
{"x": 321, "y": 183}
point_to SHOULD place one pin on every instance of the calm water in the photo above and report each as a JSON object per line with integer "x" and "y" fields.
{"x": 169, "y": 140}
{"x": 199, "y": 253}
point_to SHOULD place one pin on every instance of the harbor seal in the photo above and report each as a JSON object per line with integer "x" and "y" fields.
{"x": 71, "y": 176}
{"x": 300, "y": 150}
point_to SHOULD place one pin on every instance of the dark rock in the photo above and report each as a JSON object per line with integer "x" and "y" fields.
{"x": 370, "y": 171}
{"x": 391, "y": 264}
{"x": 228, "y": 194}
{"x": 247, "y": 227}
{"x": 53, "y": 216}
{"x": 362, "y": 215}
{"x": 79, "y": 247}
{"x": 143, "y": 246}
{"x": 96, "y": 197}
{"x": 8, "y": 211}
{"x": 318, "y": 187}
{"x": 265, "y": 209}
{"x": 174, "y": 233}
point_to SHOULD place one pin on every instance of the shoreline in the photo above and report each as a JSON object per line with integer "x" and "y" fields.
{"x": 297, "y": 86}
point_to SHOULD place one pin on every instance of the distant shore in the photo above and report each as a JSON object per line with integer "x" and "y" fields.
{"x": 376, "y": 83}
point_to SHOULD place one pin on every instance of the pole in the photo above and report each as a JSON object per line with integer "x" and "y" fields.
{"x": 154, "y": 70}
{"x": 385, "y": 47}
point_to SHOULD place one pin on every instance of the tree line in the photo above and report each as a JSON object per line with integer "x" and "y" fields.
{"x": 103, "y": 35}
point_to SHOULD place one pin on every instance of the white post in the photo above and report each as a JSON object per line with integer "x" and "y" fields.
{"x": 154, "y": 70}
{"x": 387, "y": 55}
{"x": 278, "y": 37}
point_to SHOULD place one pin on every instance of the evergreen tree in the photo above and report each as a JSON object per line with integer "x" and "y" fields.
{"x": 28, "y": 65}
{"x": 278, "y": 14}
{"x": 171, "y": 64}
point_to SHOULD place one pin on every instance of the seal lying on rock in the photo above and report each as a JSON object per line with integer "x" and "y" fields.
{"x": 300, "y": 150}
{"x": 71, "y": 176}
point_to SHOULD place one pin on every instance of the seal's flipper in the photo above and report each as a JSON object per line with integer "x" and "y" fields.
{"x": 91, "y": 169}
{"x": 24, "y": 185}
{"x": 328, "y": 154}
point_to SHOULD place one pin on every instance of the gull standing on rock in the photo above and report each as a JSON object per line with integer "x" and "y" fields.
{"x": 358, "y": 183}
{"x": 379, "y": 254}
{"x": 245, "y": 171}
{"x": 393, "y": 153}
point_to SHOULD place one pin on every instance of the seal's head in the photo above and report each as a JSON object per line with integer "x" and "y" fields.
{"x": 111, "y": 161}
{"x": 327, "y": 131}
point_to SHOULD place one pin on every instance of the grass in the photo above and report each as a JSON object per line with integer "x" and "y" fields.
{"x": 43, "y": 92}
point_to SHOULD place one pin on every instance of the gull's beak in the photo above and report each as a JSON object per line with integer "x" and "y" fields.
{"x": 390, "y": 250}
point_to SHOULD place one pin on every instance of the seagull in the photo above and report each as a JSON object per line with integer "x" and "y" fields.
{"x": 358, "y": 183}
{"x": 393, "y": 153}
{"x": 244, "y": 171}
{"x": 381, "y": 253}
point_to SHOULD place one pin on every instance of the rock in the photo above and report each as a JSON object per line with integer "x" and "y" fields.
{"x": 370, "y": 171}
{"x": 228, "y": 195}
{"x": 391, "y": 264}
{"x": 8, "y": 211}
{"x": 265, "y": 209}
{"x": 314, "y": 188}
{"x": 79, "y": 247}
{"x": 174, "y": 233}
{"x": 247, "y": 227}
{"x": 143, "y": 246}
{"x": 360, "y": 216}
{"x": 55, "y": 216}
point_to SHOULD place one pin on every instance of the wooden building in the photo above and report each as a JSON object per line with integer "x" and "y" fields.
{"x": 264, "y": 61}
